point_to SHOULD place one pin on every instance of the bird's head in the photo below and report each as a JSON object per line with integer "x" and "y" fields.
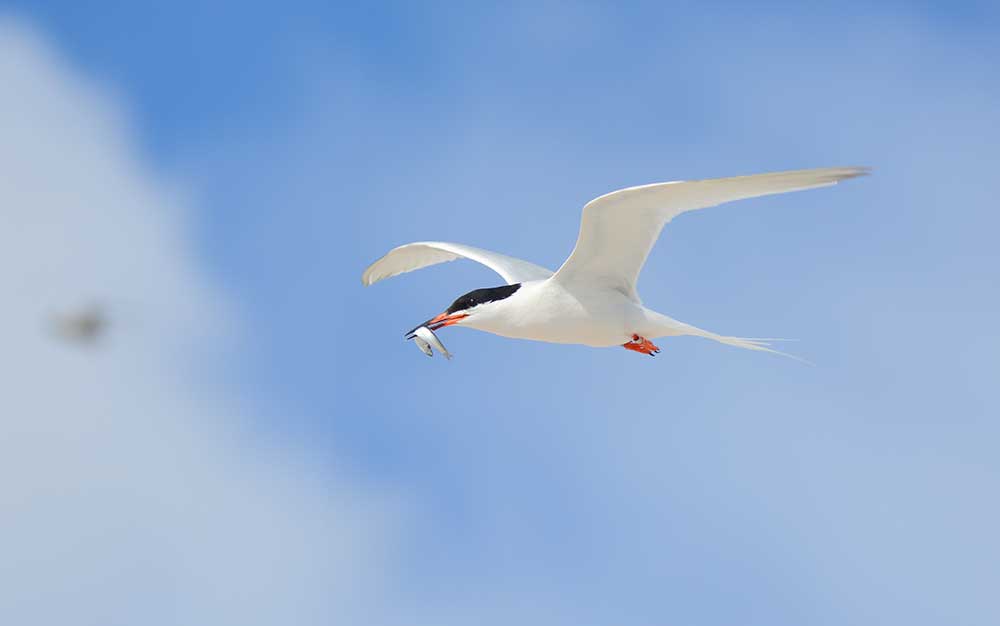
{"x": 466, "y": 308}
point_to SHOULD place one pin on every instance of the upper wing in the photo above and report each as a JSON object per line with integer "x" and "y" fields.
{"x": 619, "y": 229}
{"x": 414, "y": 256}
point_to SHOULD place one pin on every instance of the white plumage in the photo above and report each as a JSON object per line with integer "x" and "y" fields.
{"x": 592, "y": 299}
{"x": 414, "y": 256}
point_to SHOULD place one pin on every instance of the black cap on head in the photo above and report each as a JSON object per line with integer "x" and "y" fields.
{"x": 482, "y": 296}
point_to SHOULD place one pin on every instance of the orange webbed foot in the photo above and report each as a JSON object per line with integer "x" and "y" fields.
{"x": 641, "y": 345}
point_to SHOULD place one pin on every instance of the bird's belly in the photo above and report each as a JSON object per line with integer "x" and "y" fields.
{"x": 556, "y": 316}
{"x": 564, "y": 331}
{"x": 589, "y": 334}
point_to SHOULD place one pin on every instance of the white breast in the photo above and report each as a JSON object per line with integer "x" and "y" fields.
{"x": 548, "y": 311}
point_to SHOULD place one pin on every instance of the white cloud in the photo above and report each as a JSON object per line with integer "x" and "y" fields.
{"x": 128, "y": 494}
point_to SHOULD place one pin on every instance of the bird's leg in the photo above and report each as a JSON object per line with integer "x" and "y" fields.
{"x": 642, "y": 345}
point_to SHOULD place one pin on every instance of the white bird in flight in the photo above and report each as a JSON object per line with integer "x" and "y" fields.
{"x": 592, "y": 299}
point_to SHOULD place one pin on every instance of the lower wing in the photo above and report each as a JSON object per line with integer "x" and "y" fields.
{"x": 414, "y": 256}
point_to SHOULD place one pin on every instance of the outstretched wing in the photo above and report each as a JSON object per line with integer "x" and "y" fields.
{"x": 619, "y": 229}
{"x": 414, "y": 256}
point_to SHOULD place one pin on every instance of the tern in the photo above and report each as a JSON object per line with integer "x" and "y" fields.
{"x": 592, "y": 299}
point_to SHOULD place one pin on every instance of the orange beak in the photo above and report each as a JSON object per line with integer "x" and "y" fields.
{"x": 445, "y": 320}
{"x": 440, "y": 321}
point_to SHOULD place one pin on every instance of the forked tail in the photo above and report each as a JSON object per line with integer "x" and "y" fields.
{"x": 668, "y": 327}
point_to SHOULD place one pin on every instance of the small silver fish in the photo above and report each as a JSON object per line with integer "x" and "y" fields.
{"x": 423, "y": 345}
{"x": 427, "y": 336}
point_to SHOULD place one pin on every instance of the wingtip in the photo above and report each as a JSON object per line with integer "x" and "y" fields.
{"x": 855, "y": 171}
{"x": 366, "y": 277}
{"x": 834, "y": 175}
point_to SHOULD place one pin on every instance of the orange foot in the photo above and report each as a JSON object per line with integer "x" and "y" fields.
{"x": 641, "y": 344}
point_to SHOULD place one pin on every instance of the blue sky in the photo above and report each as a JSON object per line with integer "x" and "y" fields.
{"x": 522, "y": 482}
